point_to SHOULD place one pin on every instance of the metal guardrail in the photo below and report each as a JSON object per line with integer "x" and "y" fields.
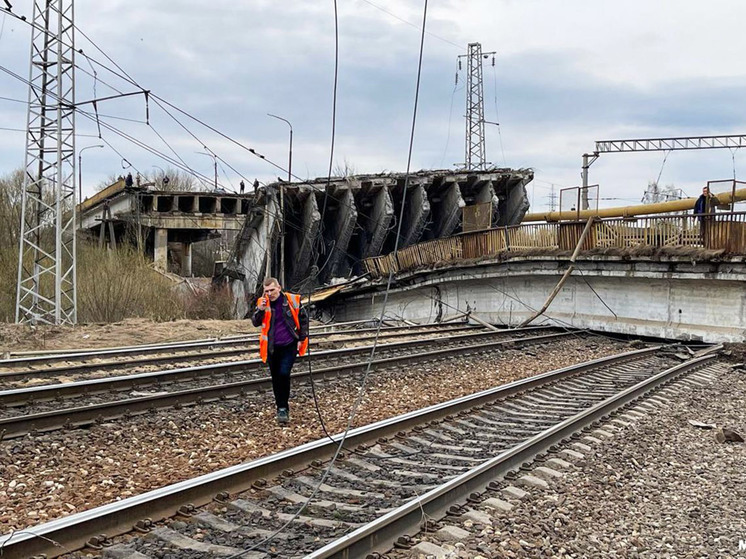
{"x": 723, "y": 231}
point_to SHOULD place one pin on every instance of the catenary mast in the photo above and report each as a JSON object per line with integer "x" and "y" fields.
{"x": 47, "y": 253}
{"x": 475, "y": 158}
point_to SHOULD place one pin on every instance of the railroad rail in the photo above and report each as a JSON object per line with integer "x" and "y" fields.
{"x": 44, "y": 412}
{"x": 333, "y": 327}
{"x": 20, "y": 369}
{"x": 386, "y": 477}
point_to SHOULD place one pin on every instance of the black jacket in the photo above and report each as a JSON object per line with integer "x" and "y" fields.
{"x": 258, "y": 317}
{"x": 706, "y": 204}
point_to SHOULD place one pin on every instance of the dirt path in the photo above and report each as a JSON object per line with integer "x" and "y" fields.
{"x": 135, "y": 331}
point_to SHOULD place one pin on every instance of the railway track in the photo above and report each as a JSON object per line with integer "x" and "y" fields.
{"x": 64, "y": 367}
{"x": 333, "y": 328}
{"x": 75, "y": 404}
{"x": 386, "y": 478}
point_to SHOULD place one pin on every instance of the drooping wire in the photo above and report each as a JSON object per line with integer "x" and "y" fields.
{"x": 26, "y": 531}
{"x": 497, "y": 112}
{"x": 222, "y": 169}
{"x": 361, "y": 391}
{"x": 384, "y": 10}
{"x": 450, "y": 120}
{"x": 663, "y": 164}
{"x": 334, "y": 109}
{"x": 119, "y": 154}
{"x": 582, "y": 275}
{"x": 122, "y": 74}
{"x": 2, "y": 26}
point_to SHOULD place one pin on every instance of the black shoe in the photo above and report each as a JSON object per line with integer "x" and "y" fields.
{"x": 283, "y": 416}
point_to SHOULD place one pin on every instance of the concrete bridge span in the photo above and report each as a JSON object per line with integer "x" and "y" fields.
{"x": 695, "y": 297}
{"x": 331, "y": 226}
{"x": 164, "y": 223}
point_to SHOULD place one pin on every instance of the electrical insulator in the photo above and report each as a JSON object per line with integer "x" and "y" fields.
{"x": 493, "y": 59}
{"x": 456, "y": 79}
{"x": 459, "y": 63}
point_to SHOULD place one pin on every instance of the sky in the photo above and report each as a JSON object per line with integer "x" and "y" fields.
{"x": 566, "y": 74}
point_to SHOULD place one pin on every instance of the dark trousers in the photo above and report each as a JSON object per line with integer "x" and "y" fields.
{"x": 280, "y": 364}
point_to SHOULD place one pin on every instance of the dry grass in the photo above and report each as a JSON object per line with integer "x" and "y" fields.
{"x": 216, "y": 303}
{"x": 114, "y": 285}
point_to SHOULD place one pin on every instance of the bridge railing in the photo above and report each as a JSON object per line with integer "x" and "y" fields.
{"x": 722, "y": 231}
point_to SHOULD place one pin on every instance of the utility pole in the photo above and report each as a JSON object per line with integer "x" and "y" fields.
{"x": 47, "y": 275}
{"x": 552, "y": 199}
{"x": 475, "y": 156}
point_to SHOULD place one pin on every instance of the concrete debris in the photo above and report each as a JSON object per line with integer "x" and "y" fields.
{"x": 726, "y": 435}
{"x": 695, "y": 423}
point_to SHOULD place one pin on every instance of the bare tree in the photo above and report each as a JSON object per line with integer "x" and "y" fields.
{"x": 345, "y": 170}
{"x": 168, "y": 179}
{"x": 11, "y": 187}
{"x": 108, "y": 181}
{"x": 171, "y": 180}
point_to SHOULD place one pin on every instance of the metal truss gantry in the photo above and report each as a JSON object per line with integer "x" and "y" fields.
{"x": 475, "y": 158}
{"x": 732, "y": 141}
{"x": 47, "y": 255}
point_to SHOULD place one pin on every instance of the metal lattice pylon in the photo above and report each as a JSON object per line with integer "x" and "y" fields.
{"x": 46, "y": 263}
{"x": 475, "y": 149}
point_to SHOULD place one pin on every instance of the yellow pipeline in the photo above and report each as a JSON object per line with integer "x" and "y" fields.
{"x": 724, "y": 198}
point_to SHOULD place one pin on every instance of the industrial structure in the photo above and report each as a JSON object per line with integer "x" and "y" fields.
{"x": 475, "y": 157}
{"x": 163, "y": 223}
{"x": 46, "y": 290}
{"x": 333, "y": 225}
{"x": 675, "y": 276}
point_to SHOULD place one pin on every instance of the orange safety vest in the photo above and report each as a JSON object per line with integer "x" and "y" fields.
{"x": 294, "y": 302}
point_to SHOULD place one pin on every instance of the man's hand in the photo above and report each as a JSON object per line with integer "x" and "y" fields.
{"x": 262, "y": 304}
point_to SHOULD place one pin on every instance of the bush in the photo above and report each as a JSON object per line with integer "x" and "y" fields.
{"x": 112, "y": 285}
{"x": 215, "y": 303}
{"x": 119, "y": 284}
{"x": 10, "y": 225}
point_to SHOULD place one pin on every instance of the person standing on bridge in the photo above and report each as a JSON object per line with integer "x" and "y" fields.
{"x": 706, "y": 203}
{"x": 703, "y": 207}
{"x": 284, "y": 335}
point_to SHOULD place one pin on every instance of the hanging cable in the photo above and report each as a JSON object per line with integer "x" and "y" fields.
{"x": 497, "y": 112}
{"x": 450, "y": 120}
{"x": 122, "y": 74}
{"x": 376, "y": 6}
{"x": 361, "y": 391}
{"x": 663, "y": 164}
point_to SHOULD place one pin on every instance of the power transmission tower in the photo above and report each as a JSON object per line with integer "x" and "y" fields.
{"x": 46, "y": 261}
{"x": 475, "y": 148}
{"x": 552, "y": 199}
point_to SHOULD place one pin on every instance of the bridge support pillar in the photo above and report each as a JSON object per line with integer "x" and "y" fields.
{"x": 186, "y": 260}
{"x": 160, "y": 249}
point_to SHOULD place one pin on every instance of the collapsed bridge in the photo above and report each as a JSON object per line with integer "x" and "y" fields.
{"x": 309, "y": 233}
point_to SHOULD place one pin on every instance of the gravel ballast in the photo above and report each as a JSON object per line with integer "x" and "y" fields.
{"x": 60, "y": 473}
{"x": 648, "y": 484}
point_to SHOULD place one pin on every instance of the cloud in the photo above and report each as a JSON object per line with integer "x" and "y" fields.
{"x": 567, "y": 74}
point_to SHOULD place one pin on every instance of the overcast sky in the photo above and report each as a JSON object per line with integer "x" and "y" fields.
{"x": 566, "y": 74}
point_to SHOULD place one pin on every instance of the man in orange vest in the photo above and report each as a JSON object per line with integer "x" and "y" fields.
{"x": 284, "y": 335}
